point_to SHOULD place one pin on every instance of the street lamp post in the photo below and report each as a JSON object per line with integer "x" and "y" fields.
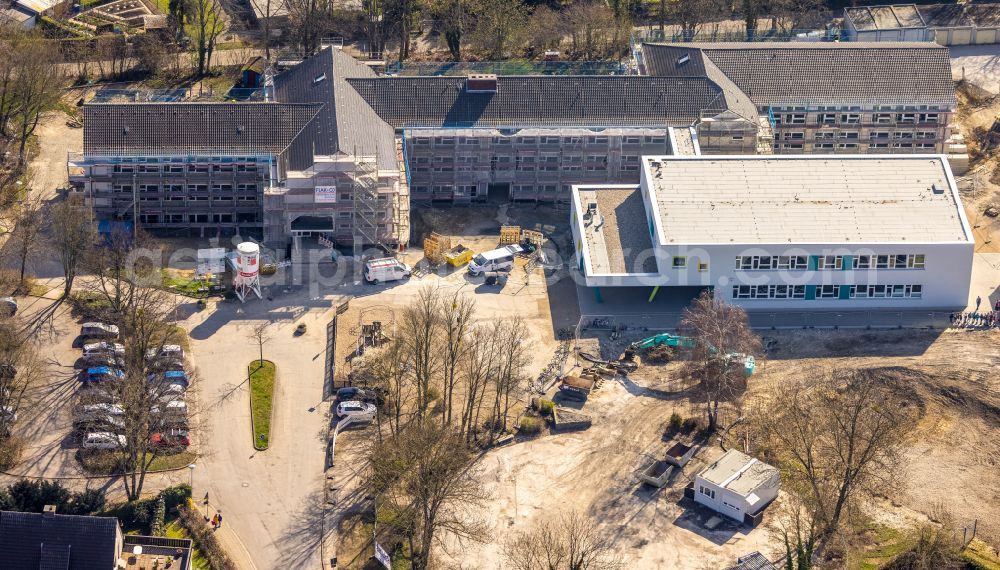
{"x": 191, "y": 467}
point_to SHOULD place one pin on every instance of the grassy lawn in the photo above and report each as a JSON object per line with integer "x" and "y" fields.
{"x": 102, "y": 462}
{"x": 982, "y": 554}
{"x": 185, "y": 283}
{"x": 888, "y": 543}
{"x": 198, "y": 560}
{"x": 261, "y": 395}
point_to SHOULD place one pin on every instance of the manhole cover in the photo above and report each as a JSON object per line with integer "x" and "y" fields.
{"x": 246, "y": 484}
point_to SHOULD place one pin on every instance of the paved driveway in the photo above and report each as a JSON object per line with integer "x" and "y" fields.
{"x": 272, "y": 499}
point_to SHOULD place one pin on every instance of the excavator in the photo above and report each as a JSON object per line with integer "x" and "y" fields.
{"x": 678, "y": 341}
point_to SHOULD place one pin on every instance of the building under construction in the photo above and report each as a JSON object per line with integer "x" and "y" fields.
{"x": 337, "y": 151}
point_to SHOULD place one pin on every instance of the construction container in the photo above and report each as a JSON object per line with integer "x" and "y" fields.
{"x": 458, "y": 256}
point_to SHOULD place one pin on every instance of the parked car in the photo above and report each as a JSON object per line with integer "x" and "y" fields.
{"x": 172, "y": 437}
{"x": 103, "y": 359}
{"x": 355, "y": 393}
{"x": 103, "y": 440}
{"x": 171, "y": 377}
{"x": 167, "y": 364}
{"x": 8, "y": 306}
{"x": 501, "y": 259}
{"x": 103, "y": 374}
{"x": 99, "y": 330}
{"x": 8, "y": 414}
{"x": 104, "y": 347}
{"x": 171, "y": 351}
{"x": 108, "y": 422}
{"x": 97, "y": 394}
{"x": 97, "y": 410}
{"x": 356, "y": 410}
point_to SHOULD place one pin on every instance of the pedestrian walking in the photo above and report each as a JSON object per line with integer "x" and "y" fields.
{"x": 979, "y": 301}
{"x": 220, "y": 518}
{"x": 215, "y": 521}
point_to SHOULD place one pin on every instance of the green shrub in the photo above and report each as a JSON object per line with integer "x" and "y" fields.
{"x": 90, "y": 304}
{"x": 159, "y": 523}
{"x": 174, "y": 497}
{"x": 530, "y": 426}
{"x": 676, "y": 421}
{"x": 87, "y": 502}
{"x": 545, "y": 407}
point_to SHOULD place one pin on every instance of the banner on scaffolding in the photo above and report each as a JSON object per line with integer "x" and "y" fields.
{"x": 326, "y": 194}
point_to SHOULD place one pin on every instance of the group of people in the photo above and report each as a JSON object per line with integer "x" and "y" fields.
{"x": 217, "y": 521}
{"x": 977, "y": 318}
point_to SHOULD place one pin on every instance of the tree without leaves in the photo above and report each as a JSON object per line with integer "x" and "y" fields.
{"x": 72, "y": 233}
{"x": 689, "y": 14}
{"x": 427, "y": 476}
{"x": 456, "y": 320}
{"x": 205, "y": 24}
{"x": 841, "y": 438}
{"x": 29, "y": 85}
{"x": 21, "y": 369}
{"x": 122, "y": 265}
{"x": 261, "y": 334}
{"x": 935, "y": 548}
{"x": 420, "y": 332}
{"x": 721, "y": 332}
{"x": 570, "y": 541}
{"x": 26, "y": 239}
{"x": 508, "y": 375}
{"x": 498, "y": 25}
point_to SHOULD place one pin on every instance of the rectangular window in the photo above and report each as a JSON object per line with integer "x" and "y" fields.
{"x": 828, "y": 118}
{"x": 882, "y": 118}
{"x": 679, "y": 262}
{"x": 850, "y": 118}
{"x": 766, "y": 263}
{"x": 769, "y": 292}
{"x": 928, "y": 117}
{"x": 702, "y": 267}
{"x": 906, "y": 117}
{"x": 886, "y": 291}
{"x": 830, "y": 262}
{"x": 828, "y": 291}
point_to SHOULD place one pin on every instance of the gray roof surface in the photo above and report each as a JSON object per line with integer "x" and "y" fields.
{"x": 165, "y": 128}
{"x": 823, "y": 199}
{"x": 753, "y": 561}
{"x": 346, "y": 123}
{"x": 33, "y": 541}
{"x": 524, "y": 101}
{"x": 957, "y": 15}
{"x": 739, "y": 473}
{"x": 796, "y": 73}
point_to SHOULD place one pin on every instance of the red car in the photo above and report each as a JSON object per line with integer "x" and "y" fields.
{"x": 171, "y": 438}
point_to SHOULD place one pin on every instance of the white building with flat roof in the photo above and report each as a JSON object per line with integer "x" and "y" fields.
{"x": 737, "y": 485}
{"x": 783, "y": 232}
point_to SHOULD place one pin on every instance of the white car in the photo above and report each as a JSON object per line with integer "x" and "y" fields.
{"x": 356, "y": 410}
{"x": 103, "y": 349}
{"x": 99, "y": 330}
{"x": 103, "y": 440}
{"x": 168, "y": 351}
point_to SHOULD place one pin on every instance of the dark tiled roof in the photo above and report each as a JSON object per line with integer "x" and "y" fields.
{"x": 524, "y": 101}
{"x": 33, "y": 541}
{"x": 346, "y": 123}
{"x": 798, "y": 73}
{"x": 753, "y": 561}
{"x": 151, "y": 128}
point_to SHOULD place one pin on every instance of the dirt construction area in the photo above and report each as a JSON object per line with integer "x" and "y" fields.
{"x": 595, "y": 471}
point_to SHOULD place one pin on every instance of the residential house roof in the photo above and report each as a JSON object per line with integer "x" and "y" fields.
{"x": 44, "y": 541}
{"x": 178, "y": 127}
{"x": 536, "y": 100}
{"x": 753, "y": 561}
{"x": 801, "y": 73}
{"x": 739, "y": 473}
{"x": 346, "y": 123}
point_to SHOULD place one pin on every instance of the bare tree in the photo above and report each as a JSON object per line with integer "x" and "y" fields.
{"x": 508, "y": 376}
{"x": 569, "y": 541}
{"x": 29, "y": 85}
{"x": 27, "y": 234}
{"x": 387, "y": 370}
{"x": 21, "y": 367}
{"x": 427, "y": 478}
{"x": 72, "y": 233}
{"x": 420, "y": 333}
{"x": 307, "y": 19}
{"x": 721, "y": 341}
{"x": 499, "y": 24}
{"x": 935, "y": 548}
{"x": 689, "y": 14}
{"x": 120, "y": 267}
{"x": 842, "y": 437}
{"x": 456, "y": 320}
{"x": 206, "y": 22}
{"x": 261, "y": 334}
{"x": 478, "y": 366}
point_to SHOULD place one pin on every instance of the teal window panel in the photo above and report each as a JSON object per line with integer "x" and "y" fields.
{"x": 810, "y": 290}
{"x": 848, "y": 263}
{"x": 845, "y": 292}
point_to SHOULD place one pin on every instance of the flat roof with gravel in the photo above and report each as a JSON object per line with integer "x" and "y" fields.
{"x": 805, "y": 199}
{"x": 617, "y": 238}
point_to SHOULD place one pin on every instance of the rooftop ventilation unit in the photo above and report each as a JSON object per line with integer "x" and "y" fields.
{"x": 937, "y": 189}
{"x": 481, "y": 83}
{"x": 683, "y": 59}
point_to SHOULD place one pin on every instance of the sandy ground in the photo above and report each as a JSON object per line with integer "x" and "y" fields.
{"x": 55, "y": 140}
{"x": 978, "y": 64}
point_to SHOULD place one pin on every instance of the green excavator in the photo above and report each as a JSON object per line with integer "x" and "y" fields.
{"x": 678, "y": 341}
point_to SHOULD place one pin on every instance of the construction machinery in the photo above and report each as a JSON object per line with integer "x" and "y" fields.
{"x": 678, "y": 341}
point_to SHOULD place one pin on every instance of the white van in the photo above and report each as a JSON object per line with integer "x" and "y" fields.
{"x": 386, "y": 269}
{"x": 496, "y": 260}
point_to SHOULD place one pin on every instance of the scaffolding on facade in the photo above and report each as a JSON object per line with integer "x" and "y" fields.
{"x": 366, "y": 203}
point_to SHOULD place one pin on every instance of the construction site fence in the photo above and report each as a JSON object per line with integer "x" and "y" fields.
{"x": 706, "y": 33}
